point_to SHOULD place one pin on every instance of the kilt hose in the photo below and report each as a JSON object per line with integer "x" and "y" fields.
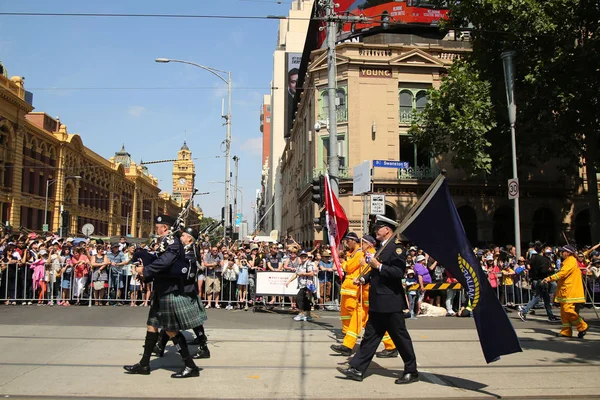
{"x": 176, "y": 312}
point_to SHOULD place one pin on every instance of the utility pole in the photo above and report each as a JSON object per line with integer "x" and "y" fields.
{"x": 333, "y": 161}
{"x": 235, "y": 190}
{"x": 227, "y": 159}
{"x": 332, "y": 20}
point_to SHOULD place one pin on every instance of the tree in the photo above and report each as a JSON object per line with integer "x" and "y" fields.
{"x": 457, "y": 119}
{"x": 215, "y": 235}
{"x": 557, "y": 88}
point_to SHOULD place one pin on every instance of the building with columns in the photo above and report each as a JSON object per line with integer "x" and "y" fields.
{"x": 45, "y": 170}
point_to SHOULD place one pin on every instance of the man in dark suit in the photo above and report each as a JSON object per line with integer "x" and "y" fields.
{"x": 387, "y": 302}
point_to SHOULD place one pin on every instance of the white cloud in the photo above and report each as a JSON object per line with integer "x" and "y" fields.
{"x": 253, "y": 146}
{"x": 136, "y": 111}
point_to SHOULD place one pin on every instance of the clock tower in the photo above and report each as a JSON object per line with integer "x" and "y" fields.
{"x": 184, "y": 174}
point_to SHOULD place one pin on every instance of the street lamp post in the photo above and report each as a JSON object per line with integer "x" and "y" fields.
{"x": 48, "y": 183}
{"x": 509, "y": 79}
{"x": 227, "y": 117}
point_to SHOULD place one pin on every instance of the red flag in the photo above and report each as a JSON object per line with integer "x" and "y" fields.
{"x": 337, "y": 223}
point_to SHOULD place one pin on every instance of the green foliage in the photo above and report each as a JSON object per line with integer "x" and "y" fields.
{"x": 457, "y": 119}
{"x": 216, "y": 235}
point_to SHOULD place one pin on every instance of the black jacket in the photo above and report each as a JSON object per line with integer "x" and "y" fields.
{"x": 540, "y": 267}
{"x": 386, "y": 294}
{"x": 191, "y": 279}
{"x": 170, "y": 253}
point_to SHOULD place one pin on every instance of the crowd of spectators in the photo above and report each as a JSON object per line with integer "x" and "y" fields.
{"x": 66, "y": 271}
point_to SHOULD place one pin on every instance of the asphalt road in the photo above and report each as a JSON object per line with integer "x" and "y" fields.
{"x": 78, "y": 352}
{"x": 235, "y": 319}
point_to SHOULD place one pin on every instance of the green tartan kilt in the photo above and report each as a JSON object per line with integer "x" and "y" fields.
{"x": 176, "y": 312}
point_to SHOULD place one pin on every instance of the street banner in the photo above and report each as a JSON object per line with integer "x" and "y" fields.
{"x": 337, "y": 223}
{"x": 448, "y": 244}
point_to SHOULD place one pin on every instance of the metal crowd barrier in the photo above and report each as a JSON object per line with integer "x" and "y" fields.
{"x": 17, "y": 287}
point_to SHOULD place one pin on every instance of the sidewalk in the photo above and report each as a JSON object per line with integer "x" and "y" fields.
{"x": 86, "y": 361}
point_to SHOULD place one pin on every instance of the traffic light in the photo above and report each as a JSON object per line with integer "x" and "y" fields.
{"x": 385, "y": 20}
{"x": 317, "y": 189}
{"x": 320, "y": 222}
{"x": 229, "y": 231}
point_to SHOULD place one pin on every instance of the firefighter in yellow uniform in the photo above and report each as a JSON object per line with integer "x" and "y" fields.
{"x": 354, "y": 307}
{"x": 570, "y": 294}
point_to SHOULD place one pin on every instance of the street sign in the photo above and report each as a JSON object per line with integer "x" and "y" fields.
{"x": 238, "y": 219}
{"x": 377, "y": 204}
{"x": 361, "y": 182}
{"x": 87, "y": 229}
{"x": 513, "y": 189}
{"x": 45, "y": 227}
{"x": 391, "y": 164}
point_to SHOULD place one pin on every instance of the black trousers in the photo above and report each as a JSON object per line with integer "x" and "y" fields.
{"x": 377, "y": 325}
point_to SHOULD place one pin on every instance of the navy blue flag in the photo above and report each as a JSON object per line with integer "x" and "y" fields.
{"x": 434, "y": 225}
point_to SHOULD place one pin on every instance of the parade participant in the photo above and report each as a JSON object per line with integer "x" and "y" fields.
{"x": 188, "y": 239}
{"x": 569, "y": 293}
{"x": 355, "y": 305}
{"x": 171, "y": 308}
{"x": 387, "y": 303}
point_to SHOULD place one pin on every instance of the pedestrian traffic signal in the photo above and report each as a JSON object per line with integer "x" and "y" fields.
{"x": 317, "y": 189}
{"x": 229, "y": 231}
{"x": 65, "y": 222}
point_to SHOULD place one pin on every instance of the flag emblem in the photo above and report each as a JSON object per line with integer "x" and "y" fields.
{"x": 473, "y": 288}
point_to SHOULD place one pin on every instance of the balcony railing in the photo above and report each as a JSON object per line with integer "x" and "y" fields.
{"x": 418, "y": 173}
{"x": 406, "y": 115}
{"x": 344, "y": 172}
{"x": 341, "y": 114}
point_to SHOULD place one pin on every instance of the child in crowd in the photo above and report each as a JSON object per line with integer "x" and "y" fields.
{"x": 411, "y": 280}
{"x": 39, "y": 275}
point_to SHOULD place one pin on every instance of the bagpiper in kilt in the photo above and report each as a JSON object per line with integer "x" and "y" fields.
{"x": 188, "y": 239}
{"x": 171, "y": 308}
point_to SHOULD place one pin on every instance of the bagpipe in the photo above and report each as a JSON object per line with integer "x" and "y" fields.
{"x": 179, "y": 221}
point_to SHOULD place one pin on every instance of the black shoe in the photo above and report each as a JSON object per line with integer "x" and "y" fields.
{"x": 387, "y": 353}
{"x": 196, "y": 341}
{"x": 523, "y": 316}
{"x": 341, "y": 349}
{"x": 407, "y": 378}
{"x": 158, "y": 351}
{"x": 553, "y": 318}
{"x": 351, "y": 373}
{"x": 137, "y": 369}
{"x": 187, "y": 372}
{"x": 581, "y": 334}
{"x": 202, "y": 352}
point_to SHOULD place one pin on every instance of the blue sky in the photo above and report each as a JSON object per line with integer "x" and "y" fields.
{"x": 68, "y": 52}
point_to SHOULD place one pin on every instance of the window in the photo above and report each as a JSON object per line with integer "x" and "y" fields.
{"x": 342, "y": 150}
{"x": 410, "y": 153}
{"x": 341, "y": 95}
{"x": 412, "y": 101}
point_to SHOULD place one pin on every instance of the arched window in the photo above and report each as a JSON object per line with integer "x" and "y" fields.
{"x": 543, "y": 226}
{"x": 504, "y": 226}
{"x": 583, "y": 234}
{"x": 406, "y": 106}
{"x": 468, "y": 218}
{"x": 421, "y": 101}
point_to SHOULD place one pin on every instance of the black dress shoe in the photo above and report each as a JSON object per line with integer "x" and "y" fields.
{"x": 407, "y": 378}
{"x": 137, "y": 369}
{"x": 202, "y": 352}
{"x": 158, "y": 351}
{"x": 387, "y": 353}
{"x": 187, "y": 372}
{"x": 341, "y": 349}
{"x": 351, "y": 373}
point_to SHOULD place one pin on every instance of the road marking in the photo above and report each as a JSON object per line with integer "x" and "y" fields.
{"x": 254, "y": 377}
